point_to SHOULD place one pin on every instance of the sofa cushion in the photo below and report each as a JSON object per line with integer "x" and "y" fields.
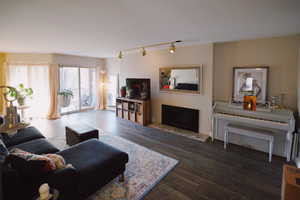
{"x": 49, "y": 164}
{"x": 37, "y": 146}
{"x": 23, "y": 135}
{"x": 3, "y": 152}
{"x": 96, "y": 163}
{"x": 28, "y": 168}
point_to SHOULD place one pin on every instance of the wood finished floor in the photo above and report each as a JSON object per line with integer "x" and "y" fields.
{"x": 206, "y": 170}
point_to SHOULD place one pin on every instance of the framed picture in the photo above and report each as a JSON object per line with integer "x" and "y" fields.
{"x": 250, "y": 80}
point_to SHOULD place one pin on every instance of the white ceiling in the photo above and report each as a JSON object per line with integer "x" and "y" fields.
{"x": 101, "y": 28}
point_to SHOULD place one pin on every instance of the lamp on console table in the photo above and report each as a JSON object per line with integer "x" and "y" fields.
{"x": 250, "y": 102}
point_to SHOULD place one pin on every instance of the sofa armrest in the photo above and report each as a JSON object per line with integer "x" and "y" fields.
{"x": 65, "y": 181}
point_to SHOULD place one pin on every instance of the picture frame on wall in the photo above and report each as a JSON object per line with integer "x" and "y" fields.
{"x": 250, "y": 80}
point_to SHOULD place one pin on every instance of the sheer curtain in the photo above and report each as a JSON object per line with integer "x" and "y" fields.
{"x": 36, "y": 77}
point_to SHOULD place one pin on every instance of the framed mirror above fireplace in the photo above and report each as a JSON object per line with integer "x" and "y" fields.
{"x": 181, "y": 79}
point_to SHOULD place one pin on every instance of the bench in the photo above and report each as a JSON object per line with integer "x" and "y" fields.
{"x": 250, "y": 132}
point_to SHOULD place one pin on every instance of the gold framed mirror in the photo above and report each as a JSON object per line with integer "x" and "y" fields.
{"x": 181, "y": 79}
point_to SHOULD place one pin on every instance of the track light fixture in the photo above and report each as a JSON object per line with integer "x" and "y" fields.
{"x": 144, "y": 51}
{"x": 172, "y": 48}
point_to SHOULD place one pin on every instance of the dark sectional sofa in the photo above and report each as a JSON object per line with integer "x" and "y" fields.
{"x": 95, "y": 164}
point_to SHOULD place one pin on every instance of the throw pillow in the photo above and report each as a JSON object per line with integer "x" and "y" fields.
{"x": 59, "y": 161}
{"x": 49, "y": 164}
{"x": 31, "y": 168}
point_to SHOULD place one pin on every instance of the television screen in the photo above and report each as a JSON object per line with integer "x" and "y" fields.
{"x": 138, "y": 88}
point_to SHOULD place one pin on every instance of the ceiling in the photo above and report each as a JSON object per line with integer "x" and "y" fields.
{"x": 101, "y": 28}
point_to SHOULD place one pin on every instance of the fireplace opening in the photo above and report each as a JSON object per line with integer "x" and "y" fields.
{"x": 184, "y": 118}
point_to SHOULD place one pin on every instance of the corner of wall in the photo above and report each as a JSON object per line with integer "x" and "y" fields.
{"x": 298, "y": 79}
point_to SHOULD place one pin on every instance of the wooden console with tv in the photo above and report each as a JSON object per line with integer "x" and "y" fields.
{"x": 136, "y": 105}
{"x": 134, "y": 110}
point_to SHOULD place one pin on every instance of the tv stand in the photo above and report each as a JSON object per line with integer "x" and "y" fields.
{"x": 135, "y": 110}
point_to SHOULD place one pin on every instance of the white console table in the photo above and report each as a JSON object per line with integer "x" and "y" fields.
{"x": 279, "y": 120}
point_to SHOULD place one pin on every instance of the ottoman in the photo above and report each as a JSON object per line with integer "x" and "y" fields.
{"x": 77, "y": 133}
{"x": 96, "y": 164}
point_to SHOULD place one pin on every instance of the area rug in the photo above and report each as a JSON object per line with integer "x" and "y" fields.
{"x": 144, "y": 170}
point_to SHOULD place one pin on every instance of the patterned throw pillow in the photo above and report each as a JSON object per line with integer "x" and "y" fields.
{"x": 49, "y": 164}
{"x": 59, "y": 161}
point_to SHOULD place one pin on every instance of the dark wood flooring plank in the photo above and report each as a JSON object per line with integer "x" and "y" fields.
{"x": 206, "y": 170}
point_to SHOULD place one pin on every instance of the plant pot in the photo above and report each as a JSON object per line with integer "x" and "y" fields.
{"x": 21, "y": 101}
{"x": 123, "y": 92}
{"x": 64, "y": 100}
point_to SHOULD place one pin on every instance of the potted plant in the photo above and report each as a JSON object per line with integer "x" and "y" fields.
{"x": 65, "y": 97}
{"x": 21, "y": 93}
{"x": 123, "y": 91}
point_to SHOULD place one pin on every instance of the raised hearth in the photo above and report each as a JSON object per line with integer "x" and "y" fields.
{"x": 180, "y": 117}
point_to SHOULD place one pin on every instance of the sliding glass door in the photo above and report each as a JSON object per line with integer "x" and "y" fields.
{"x": 87, "y": 88}
{"x": 112, "y": 90}
{"x": 82, "y": 83}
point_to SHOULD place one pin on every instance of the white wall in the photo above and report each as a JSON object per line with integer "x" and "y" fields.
{"x": 137, "y": 66}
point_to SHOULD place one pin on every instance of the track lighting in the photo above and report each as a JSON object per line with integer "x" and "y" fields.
{"x": 144, "y": 51}
{"x": 172, "y": 48}
{"x": 120, "y": 56}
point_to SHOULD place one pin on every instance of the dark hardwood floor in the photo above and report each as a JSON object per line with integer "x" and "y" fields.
{"x": 206, "y": 170}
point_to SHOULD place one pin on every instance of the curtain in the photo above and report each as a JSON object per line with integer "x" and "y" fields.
{"x": 101, "y": 82}
{"x": 3, "y": 73}
{"x": 37, "y": 78}
{"x": 54, "y": 87}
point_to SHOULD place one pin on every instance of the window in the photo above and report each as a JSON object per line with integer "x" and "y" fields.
{"x": 82, "y": 82}
{"x": 112, "y": 90}
{"x": 37, "y": 78}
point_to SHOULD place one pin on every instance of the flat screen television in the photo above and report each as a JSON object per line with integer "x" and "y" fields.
{"x": 138, "y": 88}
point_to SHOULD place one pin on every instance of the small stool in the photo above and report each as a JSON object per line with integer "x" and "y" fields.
{"x": 250, "y": 132}
{"x": 77, "y": 133}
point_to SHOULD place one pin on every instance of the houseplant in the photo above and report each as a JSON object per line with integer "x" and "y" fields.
{"x": 123, "y": 91}
{"x": 65, "y": 97}
{"x": 21, "y": 93}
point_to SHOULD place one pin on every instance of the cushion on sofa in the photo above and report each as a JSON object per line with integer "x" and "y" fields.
{"x": 22, "y": 136}
{"x": 96, "y": 164}
{"x": 28, "y": 168}
{"x": 37, "y": 146}
{"x": 3, "y": 152}
{"x": 49, "y": 165}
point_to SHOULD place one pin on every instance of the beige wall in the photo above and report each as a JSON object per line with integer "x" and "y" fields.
{"x": 77, "y": 60}
{"x": 28, "y": 58}
{"x": 136, "y": 66}
{"x": 280, "y": 54}
{"x": 31, "y": 58}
